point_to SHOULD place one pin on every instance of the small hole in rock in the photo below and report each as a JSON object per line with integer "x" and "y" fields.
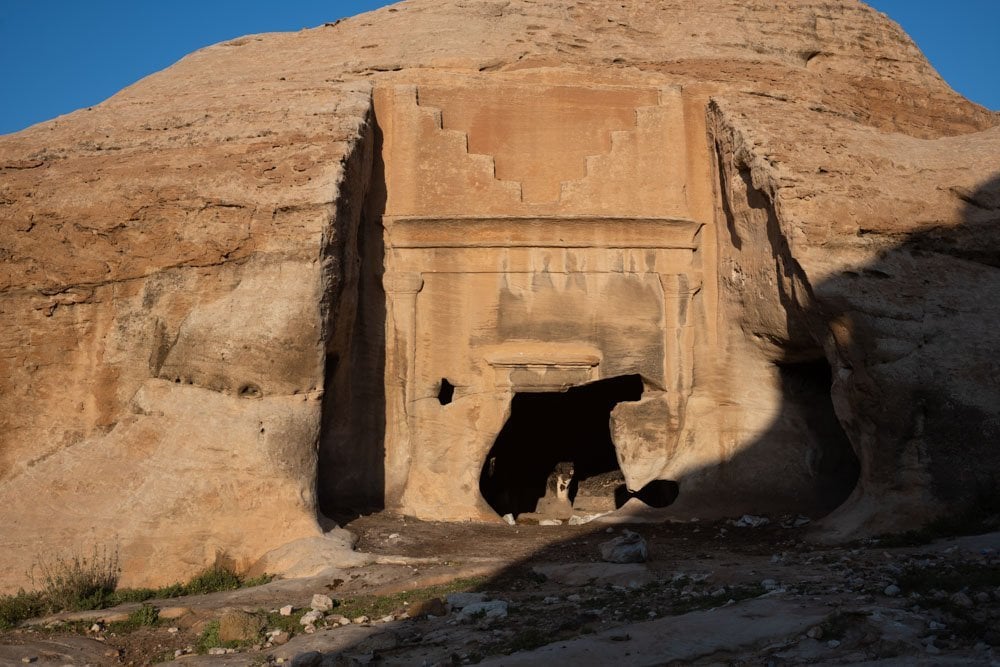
{"x": 250, "y": 391}
{"x": 446, "y": 392}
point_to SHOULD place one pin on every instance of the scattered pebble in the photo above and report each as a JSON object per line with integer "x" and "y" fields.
{"x": 321, "y": 602}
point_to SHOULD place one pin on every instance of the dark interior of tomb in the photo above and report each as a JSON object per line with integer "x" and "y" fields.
{"x": 548, "y": 428}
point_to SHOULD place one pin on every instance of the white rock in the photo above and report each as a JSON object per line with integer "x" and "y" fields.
{"x": 509, "y": 518}
{"x": 550, "y": 600}
{"x": 286, "y": 610}
{"x": 751, "y": 521}
{"x": 577, "y": 520}
{"x": 550, "y": 522}
{"x": 629, "y": 547}
{"x": 360, "y": 620}
{"x": 460, "y": 600}
{"x": 491, "y": 609}
{"x": 321, "y": 602}
{"x": 310, "y": 617}
{"x": 769, "y": 585}
{"x": 892, "y": 590}
{"x": 833, "y": 643}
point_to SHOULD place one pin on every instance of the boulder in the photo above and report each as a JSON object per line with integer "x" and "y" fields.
{"x": 629, "y": 547}
{"x": 241, "y": 626}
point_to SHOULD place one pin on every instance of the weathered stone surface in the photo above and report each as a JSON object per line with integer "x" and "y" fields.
{"x": 236, "y": 625}
{"x": 231, "y": 293}
{"x": 629, "y": 547}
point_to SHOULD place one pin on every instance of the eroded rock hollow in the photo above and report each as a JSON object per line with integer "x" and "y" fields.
{"x": 298, "y": 275}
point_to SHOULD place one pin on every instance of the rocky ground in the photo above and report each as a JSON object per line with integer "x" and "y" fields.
{"x": 730, "y": 593}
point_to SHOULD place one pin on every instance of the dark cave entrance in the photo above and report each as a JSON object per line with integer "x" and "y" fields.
{"x": 806, "y": 388}
{"x": 546, "y": 429}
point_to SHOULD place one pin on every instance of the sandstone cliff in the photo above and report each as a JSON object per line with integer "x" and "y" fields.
{"x": 196, "y": 341}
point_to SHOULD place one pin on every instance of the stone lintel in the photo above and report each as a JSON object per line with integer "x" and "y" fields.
{"x": 542, "y": 232}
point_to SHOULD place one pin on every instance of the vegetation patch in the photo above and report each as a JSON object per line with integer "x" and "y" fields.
{"x": 377, "y": 606}
{"x": 84, "y": 583}
{"x": 78, "y": 583}
{"x": 289, "y": 624}
{"x": 146, "y": 615}
{"x": 14, "y": 609}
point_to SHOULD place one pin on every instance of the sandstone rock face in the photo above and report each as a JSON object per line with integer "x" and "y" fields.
{"x": 302, "y": 273}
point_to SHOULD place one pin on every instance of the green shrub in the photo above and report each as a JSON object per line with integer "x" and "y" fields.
{"x": 17, "y": 608}
{"x": 79, "y": 583}
{"x": 213, "y": 580}
{"x": 289, "y": 624}
{"x": 146, "y": 615}
{"x": 209, "y": 637}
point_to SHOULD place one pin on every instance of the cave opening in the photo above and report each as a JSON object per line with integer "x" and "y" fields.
{"x": 806, "y": 387}
{"x": 547, "y": 430}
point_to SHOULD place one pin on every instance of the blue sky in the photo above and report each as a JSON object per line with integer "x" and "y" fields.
{"x": 61, "y": 55}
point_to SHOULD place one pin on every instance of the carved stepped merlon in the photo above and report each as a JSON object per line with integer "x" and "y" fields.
{"x": 643, "y": 172}
{"x": 431, "y": 169}
{"x": 539, "y": 135}
{"x": 516, "y": 149}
